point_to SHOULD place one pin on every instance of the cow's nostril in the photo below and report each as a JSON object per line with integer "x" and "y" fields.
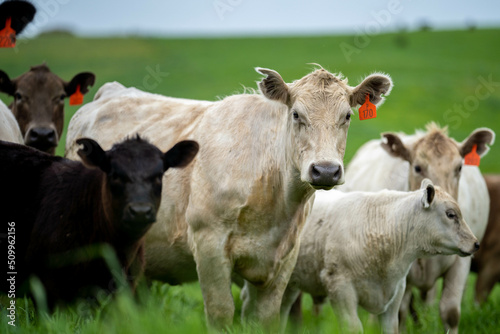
{"x": 141, "y": 211}
{"x": 315, "y": 172}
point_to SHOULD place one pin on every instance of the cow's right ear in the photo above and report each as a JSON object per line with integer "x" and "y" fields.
{"x": 93, "y": 155}
{"x": 180, "y": 155}
{"x": 6, "y": 85}
{"x": 20, "y": 12}
{"x": 429, "y": 192}
{"x": 394, "y": 146}
{"x": 273, "y": 86}
{"x": 84, "y": 80}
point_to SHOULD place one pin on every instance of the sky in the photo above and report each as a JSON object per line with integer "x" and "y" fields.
{"x": 199, "y": 18}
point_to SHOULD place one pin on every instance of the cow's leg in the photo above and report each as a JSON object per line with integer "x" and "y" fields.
{"x": 264, "y": 303}
{"x": 344, "y": 300}
{"x": 453, "y": 288}
{"x": 214, "y": 272}
{"x": 487, "y": 277}
{"x": 405, "y": 308}
{"x": 389, "y": 319}
{"x": 291, "y": 305}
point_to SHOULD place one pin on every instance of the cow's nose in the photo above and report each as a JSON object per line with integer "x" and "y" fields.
{"x": 325, "y": 174}
{"x": 41, "y": 138}
{"x": 141, "y": 212}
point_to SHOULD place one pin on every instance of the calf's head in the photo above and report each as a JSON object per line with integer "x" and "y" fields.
{"x": 39, "y": 103}
{"x": 445, "y": 228}
{"x": 319, "y": 113}
{"x": 436, "y": 156}
{"x": 133, "y": 172}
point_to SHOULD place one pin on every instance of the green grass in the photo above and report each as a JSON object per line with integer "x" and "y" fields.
{"x": 433, "y": 72}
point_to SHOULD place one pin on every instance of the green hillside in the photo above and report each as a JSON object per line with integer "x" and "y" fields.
{"x": 433, "y": 72}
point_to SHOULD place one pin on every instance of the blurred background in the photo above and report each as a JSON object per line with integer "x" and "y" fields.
{"x": 443, "y": 56}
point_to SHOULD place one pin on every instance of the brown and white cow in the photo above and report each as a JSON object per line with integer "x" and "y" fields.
{"x": 240, "y": 207}
{"x": 38, "y": 103}
{"x": 401, "y": 162}
{"x": 486, "y": 263}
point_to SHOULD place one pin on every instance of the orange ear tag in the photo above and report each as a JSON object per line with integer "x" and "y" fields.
{"x": 367, "y": 110}
{"x": 472, "y": 158}
{"x": 7, "y": 35}
{"x": 76, "y": 98}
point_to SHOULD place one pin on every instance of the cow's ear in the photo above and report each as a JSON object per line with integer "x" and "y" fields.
{"x": 93, "y": 155}
{"x": 394, "y": 146}
{"x": 429, "y": 192}
{"x": 84, "y": 79}
{"x": 181, "y": 154}
{"x": 375, "y": 85}
{"x": 20, "y": 12}
{"x": 273, "y": 86}
{"x": 482, "y": 138}
{"x": 6, "y": 85}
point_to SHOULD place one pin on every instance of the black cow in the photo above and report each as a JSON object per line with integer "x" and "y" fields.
{"x": 60, "y": 211}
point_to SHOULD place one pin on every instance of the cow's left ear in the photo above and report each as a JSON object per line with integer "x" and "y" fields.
{"x": 482, "y": 138}
{"x": 84, "y": 79}
{"x": 393, "y": 145}
{"x": 93, "y": 155}
{"x": 6, "y": 85}
{"x": 273, "y": 86}
{"x": 181, "y": 154}
{"x": 375, "y": 85}
{"x": 429, "y": 191}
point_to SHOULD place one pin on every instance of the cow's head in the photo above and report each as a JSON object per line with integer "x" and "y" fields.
{"x": 134, "y": 170}
{"x": 39, "y": 103}
{"x": 436, "y": 156}
{"x": 446, "y": 228}
{"x": 319, "y": 114}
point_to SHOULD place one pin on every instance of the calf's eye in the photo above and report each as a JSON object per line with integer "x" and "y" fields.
{"x": 17, "y": 96}
{"x": 418, "y": 169}
{"x": 348, "y": 117}
{"x": 295, "y": 115}
{"x": 451, "y": 215}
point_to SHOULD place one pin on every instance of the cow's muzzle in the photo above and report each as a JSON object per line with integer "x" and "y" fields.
{"x": 42, "y": 138}
{"x": 325, "y": 175}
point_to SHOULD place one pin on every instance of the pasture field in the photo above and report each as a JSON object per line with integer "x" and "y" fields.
{"x": 450, "y": 77}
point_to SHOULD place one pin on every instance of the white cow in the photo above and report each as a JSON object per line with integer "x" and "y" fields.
{"x": 400, "y": 162}
{"x": 240, "y": 206}
{"x": 9, "y": 129}
{"x": 357, "y": 248}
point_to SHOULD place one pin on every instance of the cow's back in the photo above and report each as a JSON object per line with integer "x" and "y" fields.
{"x": 118, "y": 112}
{"x": 9, "y": 129}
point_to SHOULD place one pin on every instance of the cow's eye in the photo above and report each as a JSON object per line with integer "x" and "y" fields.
{"x": 295, "y": 115}
{"x": 17, "y": 96}
{"x": 459, "y": 169}
{"x": 418, "y": 169}
{"x": 62, "y": 97}
{"x": 451, "y": 214}
{"x": 348, "y": 117}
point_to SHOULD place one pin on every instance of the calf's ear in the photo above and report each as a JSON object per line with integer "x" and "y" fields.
{"x": 84, "y": 79}
{"x": 482, "y": 138}
{"x": 375, "y": 85}
{"x": 394, "y": 146}
{"x": 6, "y": 85}
{"x": 181, "y": 154}
{"x": 93, "y": 155}
{"x": 21, "y": 13}
{"x": 429, "y": 192}
{"x": 273, "y": 86}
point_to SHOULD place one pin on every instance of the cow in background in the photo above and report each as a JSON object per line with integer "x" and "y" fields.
{"x": 38, "y": 104}
{"x": 400, "y": 162}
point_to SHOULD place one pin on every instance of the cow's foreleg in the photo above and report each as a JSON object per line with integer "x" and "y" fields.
{"x": 214, "y": 272}
{"x": 389, "y": 319}
{"x": 264, "y": 303}
{"x": 453, "y": 289}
